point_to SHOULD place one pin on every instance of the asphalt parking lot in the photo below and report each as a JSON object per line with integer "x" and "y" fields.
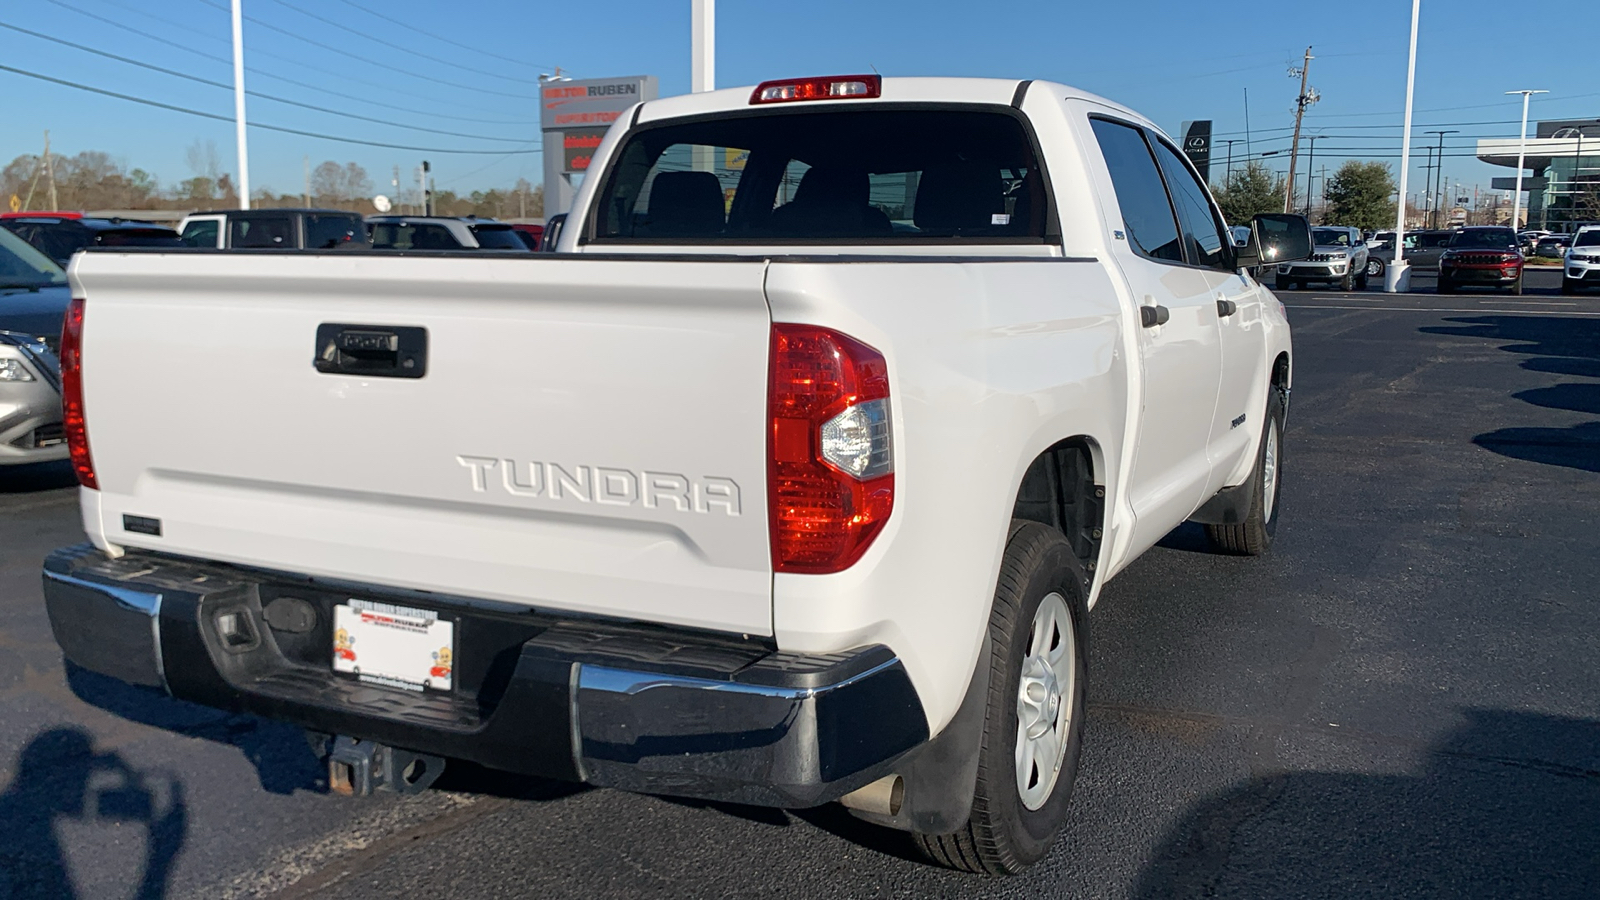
{"x": 1400, "y": 700}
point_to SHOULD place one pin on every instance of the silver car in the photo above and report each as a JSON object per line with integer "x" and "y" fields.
{"x": 1340, "y": 258}
{"x": 33, "y": 303}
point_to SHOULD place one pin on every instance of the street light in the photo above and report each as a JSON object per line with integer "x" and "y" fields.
{"x": 1397, "y": 277}
{"x": 1433, "y": 215}
{"x": 1311, "y": 166}
{"x": 1522, "y": 155}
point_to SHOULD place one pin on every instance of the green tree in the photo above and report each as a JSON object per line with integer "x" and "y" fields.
{"x": 1360, "y": 195}
{"x": 1252, "y": 189}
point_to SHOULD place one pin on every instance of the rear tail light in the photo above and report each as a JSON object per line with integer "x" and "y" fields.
{"x": 837, "y": 87}
{"x": 73, "y": 419}
{"x": 830, "y": 449}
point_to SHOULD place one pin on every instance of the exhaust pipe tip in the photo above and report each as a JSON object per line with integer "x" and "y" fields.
{"x": 883, "y": 797}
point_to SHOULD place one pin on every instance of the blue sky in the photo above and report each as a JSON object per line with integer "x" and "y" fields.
{"x": 1171, "y": 60}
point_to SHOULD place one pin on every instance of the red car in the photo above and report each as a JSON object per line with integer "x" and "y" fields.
{"x": 532, "y": 235}
{"x": 1485, "y": 255}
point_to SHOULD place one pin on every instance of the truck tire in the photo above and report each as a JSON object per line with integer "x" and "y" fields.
{"x": 1362, "y": 279}
{"x": 1254, "y": 535}
{"x": 1038, "y": 639}
{"x": 1348, "y": 282}
{"x": 1516, "y": 289}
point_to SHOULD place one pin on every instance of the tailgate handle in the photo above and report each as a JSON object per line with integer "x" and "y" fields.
{"x": 375, "y": 351}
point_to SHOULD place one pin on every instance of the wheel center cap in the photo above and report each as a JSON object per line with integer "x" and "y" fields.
{"x": 1041, "y": 696}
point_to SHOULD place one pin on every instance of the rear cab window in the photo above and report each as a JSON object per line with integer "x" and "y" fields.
{"x": 258, "y": 232}
{"x": 413, "y": 236}
{"x": 325, "y": 231}
{"x": 905, "y": 175}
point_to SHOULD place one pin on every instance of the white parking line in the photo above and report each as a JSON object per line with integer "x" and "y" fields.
{"x": 1533, "y": 302}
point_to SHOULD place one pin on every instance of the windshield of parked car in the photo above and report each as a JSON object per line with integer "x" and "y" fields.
{"x": 1587, "y": 239}
{"x": 1330, "y": 237}
{"x": 1485, "y": 239}
{"x": 796, "y": 176}
{"x": 497, "y": 237}
{"x": 23, "y": 266}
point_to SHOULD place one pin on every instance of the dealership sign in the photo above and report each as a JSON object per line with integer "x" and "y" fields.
{"x": 581, "y": 111}
{"x": 1197, "y": 146}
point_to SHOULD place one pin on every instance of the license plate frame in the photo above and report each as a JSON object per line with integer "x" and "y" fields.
{"x": 394, "y": 646}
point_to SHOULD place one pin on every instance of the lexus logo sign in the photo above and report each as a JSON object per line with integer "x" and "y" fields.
{"x": 1197, "y": 143}
{"x": 1197, "y": 146}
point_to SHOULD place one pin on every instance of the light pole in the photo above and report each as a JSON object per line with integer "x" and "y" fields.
{"x": 1522, "y": 156}
{"x": 1229, "y": 176}
{"x": 1311, "y": 164}
{"x": 1397, "y": 278}
{"x": 238, "y": 104}
{"x": 1433, "y": 215}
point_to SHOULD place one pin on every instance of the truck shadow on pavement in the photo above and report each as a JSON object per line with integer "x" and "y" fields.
{"x": 1507, "y": 805}
{"x": 61, "y": 779}
{"x": 36, "y": 477}
{"x": 282, "y": 757}
{"x": 1558, "y": 346}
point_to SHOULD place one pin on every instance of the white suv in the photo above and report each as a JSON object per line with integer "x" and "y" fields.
{"x": 1582, "y": 266}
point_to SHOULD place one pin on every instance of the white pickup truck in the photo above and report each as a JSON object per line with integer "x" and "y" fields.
{"x": 788, "y": 480}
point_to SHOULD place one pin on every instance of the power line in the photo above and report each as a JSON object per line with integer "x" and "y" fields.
{"x": 367, "y": 37}
{"x": 440, "y": 37}
{"x": 388, "y": 66}
{"x": 220, "y": 118}
{"x": 265, "y": 73}
{"x": 264, "y": 96}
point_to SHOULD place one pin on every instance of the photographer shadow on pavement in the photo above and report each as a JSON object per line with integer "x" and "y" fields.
{"x": 1508, "y": 805}
{"x": 60, "y": 778}
{"x": 283, "y": 760}
{"x": 1568, "y": 346}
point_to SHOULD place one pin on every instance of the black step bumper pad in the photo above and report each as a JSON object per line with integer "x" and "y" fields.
{"x": 640, "y": 708}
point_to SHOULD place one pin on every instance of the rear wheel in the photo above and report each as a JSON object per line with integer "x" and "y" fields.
{"x": 1033, "y": 729}
{"x": 1254, "y": 535}
{"x": 1374, "y": 268}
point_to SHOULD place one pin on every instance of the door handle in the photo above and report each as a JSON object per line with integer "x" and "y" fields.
{"x": 1151, "y": 316}
{"x": 376, "y": 351}
{"x": 1226, "y": 308}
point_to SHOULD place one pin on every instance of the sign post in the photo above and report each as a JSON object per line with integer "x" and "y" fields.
{"x": 574, "y": 116}
{"x": 1197, "y": 146}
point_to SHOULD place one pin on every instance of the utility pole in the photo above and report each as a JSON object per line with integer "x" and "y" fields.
{"x": 1306, "y": 98}
{"x": 1522, "y": 158}
{"x": 1229, "y": 176}
{"x": 427, "y": 189}
{"x": 1433, "y": 222}
{"x": 238, "y": 104}
{"x": 1311, "y": 164}
{"x": 1427, "y": 187}
{"x": 396, "y": 184}
{"x": 1247, "y": 150}
{"x": 1323, "y": 203}
{"x": 50, "y": 173}
{"x": 306, "y": 163}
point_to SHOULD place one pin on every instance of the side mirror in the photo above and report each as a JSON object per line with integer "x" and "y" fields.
{"x": 552, "y": 232}
{"x": 1277, "y": 238}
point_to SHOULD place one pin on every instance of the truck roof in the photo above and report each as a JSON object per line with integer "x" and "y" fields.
{"x": 1000, "y": 91}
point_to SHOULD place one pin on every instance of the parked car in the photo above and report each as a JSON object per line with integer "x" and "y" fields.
{"x": 1423, "y": 249}
{"x": 33, "y": 302}
{"x": 744, "y": 499}
{"x": 274, "y": 229}
{"x": 443, "y": 233}
{"x": 1340, "y": 258}
{"x": 530, "y": 233}
{"x": 1481, "y": 255}
{"x": 1581, "y": 268}
{"x": 59, "y": 235}
{"x": 1552, "y": 246}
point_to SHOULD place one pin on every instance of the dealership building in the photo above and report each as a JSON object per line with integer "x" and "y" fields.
{"x": 1562, "y": 172}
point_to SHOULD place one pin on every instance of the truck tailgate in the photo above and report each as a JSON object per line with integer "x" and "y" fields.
{"x": 589, "y": 435}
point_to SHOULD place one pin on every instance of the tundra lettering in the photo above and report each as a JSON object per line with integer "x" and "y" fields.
{"x": 606, "y": 485}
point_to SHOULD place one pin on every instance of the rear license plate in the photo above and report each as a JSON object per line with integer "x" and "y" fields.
{"x": 396, "y": 646}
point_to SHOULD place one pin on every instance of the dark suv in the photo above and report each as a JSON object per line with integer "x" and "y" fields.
{"x": 1481, "y": 255}
{"x": 59, "y": 235}
{"x": 275, "y": 229}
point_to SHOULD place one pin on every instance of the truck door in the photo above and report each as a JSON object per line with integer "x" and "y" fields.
{"x": 1179, "y": 341}
{"x": 1235, "y": 422}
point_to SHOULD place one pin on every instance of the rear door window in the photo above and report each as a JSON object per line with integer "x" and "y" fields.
{"x": 794, "y": 177}
{"x": 1147, "y": 214}
{"x": 255, "y": 232}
